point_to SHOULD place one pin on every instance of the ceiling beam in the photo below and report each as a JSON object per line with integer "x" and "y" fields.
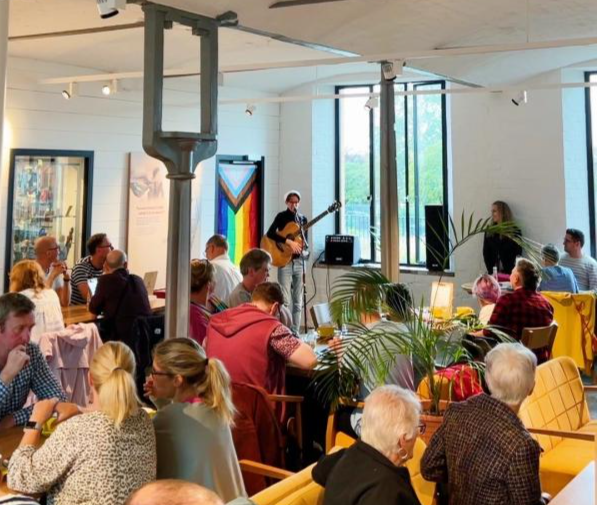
{"x": 82, "y": 31}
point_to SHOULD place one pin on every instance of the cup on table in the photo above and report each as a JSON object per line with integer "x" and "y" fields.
{"x": 325, "y": 331}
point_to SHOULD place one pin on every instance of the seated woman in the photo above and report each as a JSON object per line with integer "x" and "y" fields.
{"x": 202, "y": 283}
{"x": 194, "y": 441}
{"x": 98, "y": 457}
{"x": 372, "y": 472}
{"x": 27, "y": 278}
{"x": 487, "y": 291}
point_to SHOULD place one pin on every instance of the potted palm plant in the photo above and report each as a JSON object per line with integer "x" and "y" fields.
{"x": 368, "y": 354}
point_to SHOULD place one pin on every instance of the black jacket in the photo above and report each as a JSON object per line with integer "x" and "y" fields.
{"x": 121, "y": 297}
{"x": 500, "y": 252}
{"x": 280, "y": 221}
{"x": 361, "y": 475}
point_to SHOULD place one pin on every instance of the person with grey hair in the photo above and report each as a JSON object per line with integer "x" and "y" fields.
{"x": 525, "y": 307}
{"x": 482, "y": 451}
{"x": 555, "y": 277}
{"x": 226, "y": 274}
{"x": 255, "y": 266}
{"x": 372, "y": 471}
{"x": 120, "y": 296}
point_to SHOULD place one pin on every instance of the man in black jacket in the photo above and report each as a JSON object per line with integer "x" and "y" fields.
{"x": 120, "y": 296}
{"x": 371, "y": 472}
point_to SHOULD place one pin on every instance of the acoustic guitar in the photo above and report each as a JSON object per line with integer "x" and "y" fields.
{"x": 282, "y": 253}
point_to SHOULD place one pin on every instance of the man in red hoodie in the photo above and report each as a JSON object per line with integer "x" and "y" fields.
{"x": 254, "y": 345}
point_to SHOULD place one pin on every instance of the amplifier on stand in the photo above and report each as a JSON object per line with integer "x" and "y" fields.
{"x": 342, "y": 250}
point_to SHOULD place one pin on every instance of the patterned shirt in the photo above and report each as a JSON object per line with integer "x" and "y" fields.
{"x": 485, "y": 455}
{"x": 88, "y": 461}
{"x": 35, "y": 376}
{"x": 82, "y": 272}
{"x": 521, "y": 309}
{"x": 283, "y": 342}
{"x": 584, "y": 269}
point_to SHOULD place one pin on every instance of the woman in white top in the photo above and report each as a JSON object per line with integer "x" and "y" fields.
{"x": 96, "y": 458}
{"x": 487, "y": 291}
{"x": 27, "y": 278}
{"x": 194, "y": 441}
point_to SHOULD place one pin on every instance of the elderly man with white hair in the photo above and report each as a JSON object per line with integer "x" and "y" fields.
{"x": 482, "y": 451}
{"x": 372, "y": 471}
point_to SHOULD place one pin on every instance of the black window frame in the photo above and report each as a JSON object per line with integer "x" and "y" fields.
{"x": 372, "y": 212}
{"x": 590, "y": 167}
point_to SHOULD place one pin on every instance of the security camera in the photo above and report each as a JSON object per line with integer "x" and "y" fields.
{"x": 392, "y": 69}
{"x": 520, "y": 99}
{"x": 110, "y": 8}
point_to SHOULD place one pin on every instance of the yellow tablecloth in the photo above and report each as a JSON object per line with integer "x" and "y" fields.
{"x": 575, "y": 315}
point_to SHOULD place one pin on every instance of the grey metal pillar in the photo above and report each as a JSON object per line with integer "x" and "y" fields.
{"x": 180, "y": 151}
{"x": 390, "y": 242}
{"x": 3, "y": 64}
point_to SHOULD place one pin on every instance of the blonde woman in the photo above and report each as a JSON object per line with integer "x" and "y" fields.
{"x": 95, "y": 458}
{"x": 27, "y": 278}
{"x": 194, "y": 441}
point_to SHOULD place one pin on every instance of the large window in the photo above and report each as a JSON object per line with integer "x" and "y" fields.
{"x": 421, "y": 158}
{"x": 591, "y": 103}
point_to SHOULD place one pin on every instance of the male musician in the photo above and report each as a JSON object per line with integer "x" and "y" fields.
{"x": 290, "y": 276}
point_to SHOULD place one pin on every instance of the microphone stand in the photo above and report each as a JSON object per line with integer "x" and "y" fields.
{"x": 304, "y": 267}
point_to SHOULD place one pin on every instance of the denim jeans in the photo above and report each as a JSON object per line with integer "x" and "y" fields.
{"x": 290, "y": 278}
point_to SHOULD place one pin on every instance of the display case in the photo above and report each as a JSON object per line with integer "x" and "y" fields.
{"x": 49, "y": 193}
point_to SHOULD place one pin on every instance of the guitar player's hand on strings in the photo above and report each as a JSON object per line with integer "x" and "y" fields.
{"x": 296, "y": 247}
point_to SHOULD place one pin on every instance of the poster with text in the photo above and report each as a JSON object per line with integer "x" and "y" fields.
{"x": 148, "y": 217}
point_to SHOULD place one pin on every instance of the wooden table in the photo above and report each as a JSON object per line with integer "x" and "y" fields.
{"x": 80, "y": 313}
{"x": 580, "y": 490}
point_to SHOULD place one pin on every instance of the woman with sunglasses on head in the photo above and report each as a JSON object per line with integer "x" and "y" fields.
{"x": 194, "y": 441}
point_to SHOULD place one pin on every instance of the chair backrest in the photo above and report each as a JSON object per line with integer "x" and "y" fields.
{"x": 557, "y": 402}
{"x": 256, "y": 432}
{"x": 147, "y": 332}
{"x": 284, "y": 488}
{"x": 540, "y": 338}
{"x": 320, "y": 314}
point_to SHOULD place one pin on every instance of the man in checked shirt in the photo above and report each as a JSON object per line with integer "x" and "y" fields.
{"x": 22, "y": 366}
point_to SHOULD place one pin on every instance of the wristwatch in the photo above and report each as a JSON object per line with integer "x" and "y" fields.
{"x": 32, "y": 425}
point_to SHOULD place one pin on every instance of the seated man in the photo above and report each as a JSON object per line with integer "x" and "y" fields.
{"x": 57, "y": 278}
{"x": 226, "y": 274}
{"x": 482, "y": 451}
{"x": 22, "y": 367}
{"x": 524, "y": 308}
{"x": 372, "y": 471}
{"x": 556, "y": 277}
{"x": 583, "y": 266}
{"x": 120, "y": 296}
{"x": 89, "y": 267}
{"x": 255, "y": 266}
{"x": 254, "y": 345}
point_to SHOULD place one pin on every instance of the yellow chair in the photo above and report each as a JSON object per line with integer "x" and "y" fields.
{"x": 557, "y": 414}
{"x": 289, "y": 486}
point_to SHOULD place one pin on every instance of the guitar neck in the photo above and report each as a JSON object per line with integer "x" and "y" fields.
{"x": 313, "y": 222}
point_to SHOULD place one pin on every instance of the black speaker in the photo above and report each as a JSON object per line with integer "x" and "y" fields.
{"x": 436, "y": 237}
{"x": 342, "y": 250}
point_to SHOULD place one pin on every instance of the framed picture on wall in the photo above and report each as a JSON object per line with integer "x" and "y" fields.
{"x": 49, "y": 193}
{"x": 239, "y": 203}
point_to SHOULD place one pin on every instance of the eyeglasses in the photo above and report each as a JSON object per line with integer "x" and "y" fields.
{"x": 110, "y": 246}
{"x": 421, "y": 428}
{"x": 150, "y": 371}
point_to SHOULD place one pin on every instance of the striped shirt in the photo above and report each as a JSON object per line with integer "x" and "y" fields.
{"x": 584, "y": 269}
{"x": 82, "y": 272}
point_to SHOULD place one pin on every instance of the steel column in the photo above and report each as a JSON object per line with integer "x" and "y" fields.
{"x": 180, "y": 151}
{"x": 390, "y": 241}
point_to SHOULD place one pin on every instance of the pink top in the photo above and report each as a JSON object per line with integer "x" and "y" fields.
{"x": 199, "y": 318}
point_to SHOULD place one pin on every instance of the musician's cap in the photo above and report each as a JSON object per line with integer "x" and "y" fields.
{"x": 292, "y": 192}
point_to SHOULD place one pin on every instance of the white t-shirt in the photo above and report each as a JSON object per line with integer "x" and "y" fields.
{"x": 48, "y": 313}
{"x": 58, "y": 281}
{"x": 227, "y": 276}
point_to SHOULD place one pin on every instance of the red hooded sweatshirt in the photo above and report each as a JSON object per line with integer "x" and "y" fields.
{"x": 239, "y": 337}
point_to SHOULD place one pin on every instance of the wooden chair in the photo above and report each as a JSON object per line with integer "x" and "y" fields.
{"x": 540, "y": 338}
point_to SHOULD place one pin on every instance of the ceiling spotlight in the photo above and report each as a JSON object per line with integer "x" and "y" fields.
{"x": 112, "y": 87}
{"x": 372, "y": 103}
{"x": 250, "y": 110}
{"x": 71, "y": 91}
{"x": 520, "y": 99}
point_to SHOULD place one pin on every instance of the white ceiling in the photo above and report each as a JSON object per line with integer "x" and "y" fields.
{"x": 359, "y": 26}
